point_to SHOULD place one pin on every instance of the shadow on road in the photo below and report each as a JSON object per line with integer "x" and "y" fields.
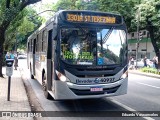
{"x": 100, "y": 104}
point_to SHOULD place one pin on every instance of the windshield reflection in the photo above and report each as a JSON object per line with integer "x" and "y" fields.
{"x": 110, "y": 46}
{"x": 92, "y": 46}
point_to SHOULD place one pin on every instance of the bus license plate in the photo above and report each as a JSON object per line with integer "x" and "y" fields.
{"x": 95, "y": 89}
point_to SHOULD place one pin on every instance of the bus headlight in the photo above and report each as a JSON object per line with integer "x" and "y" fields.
{"x": 125, "y": 75}
{"x": 61, "y": 76}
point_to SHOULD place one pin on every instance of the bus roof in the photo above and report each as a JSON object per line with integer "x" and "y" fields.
{"x": 83, "y": 16}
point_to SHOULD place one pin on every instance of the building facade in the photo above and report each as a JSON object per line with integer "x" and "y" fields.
{"x": 145, "y": 46}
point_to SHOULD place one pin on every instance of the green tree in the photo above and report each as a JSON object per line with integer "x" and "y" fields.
{"x": 123, "y": 7}
{"x": 65, "y": 5}
{"x": 9, "y": 9}
{"x": 87, "y": 5}
{"x": 20, "y": 28}
{"x": 149, "y": 19}
{"x": 76, "y": 5}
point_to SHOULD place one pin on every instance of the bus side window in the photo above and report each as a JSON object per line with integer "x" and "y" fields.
{"x": 28, "y": 47}
{"x": 42, "y": 41}
{"x": 44, "y": 38}
{"x": 34, "y": 45}
{"x": 31, "y": 45}
{"x": 38, "y": 43}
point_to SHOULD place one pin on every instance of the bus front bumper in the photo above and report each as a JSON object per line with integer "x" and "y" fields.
{"x": 67, "y": 90}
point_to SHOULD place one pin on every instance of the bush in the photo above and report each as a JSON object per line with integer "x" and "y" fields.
{"x": 149, "y": 70}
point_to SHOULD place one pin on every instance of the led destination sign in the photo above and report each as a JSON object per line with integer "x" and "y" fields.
{"x": 87, "y": 18}
{"x": 94, "y": 18}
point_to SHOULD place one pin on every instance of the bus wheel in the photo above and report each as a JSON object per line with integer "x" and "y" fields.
{"x": 32, "y": 77}
{"x": 45, "y": 88}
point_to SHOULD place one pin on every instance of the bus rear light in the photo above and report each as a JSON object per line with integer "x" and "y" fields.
{"x": 61, "y": 76}
{"x": 125, "y": 75}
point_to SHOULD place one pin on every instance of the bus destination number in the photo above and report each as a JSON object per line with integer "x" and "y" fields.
{"x": 93, "y": 19}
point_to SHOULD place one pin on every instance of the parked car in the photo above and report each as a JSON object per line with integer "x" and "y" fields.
{"x": 140, "y": 63}
{"x": 22, "y": 56}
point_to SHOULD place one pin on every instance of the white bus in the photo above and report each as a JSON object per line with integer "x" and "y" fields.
{"x": 80, "y": 54}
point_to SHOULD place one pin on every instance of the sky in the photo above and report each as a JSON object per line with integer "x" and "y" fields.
{"x": 49, "y": 1}
{"x": 39, "y": 7}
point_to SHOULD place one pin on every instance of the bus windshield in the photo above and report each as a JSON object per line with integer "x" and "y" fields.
{"x": 86, "y": 46}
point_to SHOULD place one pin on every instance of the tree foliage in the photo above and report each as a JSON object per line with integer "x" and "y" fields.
{"x": 149, "y": 12}
{"x": 65, "y": 5}
{"x": 9, "y": 10}
{"x": 21, "y": 28}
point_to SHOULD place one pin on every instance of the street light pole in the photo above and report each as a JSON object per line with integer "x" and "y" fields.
{"x": 146, "y": 44}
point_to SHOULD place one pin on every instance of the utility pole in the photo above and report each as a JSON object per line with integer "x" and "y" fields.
{"x": 138, "y": 20}
{"x": 146, "y": 42}
{"x": 137, "y": 44}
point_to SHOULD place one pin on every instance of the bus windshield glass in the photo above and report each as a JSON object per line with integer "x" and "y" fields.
{"x": 85, "y": 46}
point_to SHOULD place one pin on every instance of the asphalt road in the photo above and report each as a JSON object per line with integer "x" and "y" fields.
{"x": 143, "y": 95}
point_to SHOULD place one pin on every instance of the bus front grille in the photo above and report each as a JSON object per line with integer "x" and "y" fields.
{"x": 88, "y": 92}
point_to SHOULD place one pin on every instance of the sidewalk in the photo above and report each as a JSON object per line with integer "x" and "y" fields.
{"x": 144, "y": 73}
{"x": 18, "y": 97}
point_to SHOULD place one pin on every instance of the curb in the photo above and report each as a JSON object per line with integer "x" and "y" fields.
{"x": 32, "y": 98}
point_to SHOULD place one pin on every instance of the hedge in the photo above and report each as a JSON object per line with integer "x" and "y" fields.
{"x": 150, "y": 70}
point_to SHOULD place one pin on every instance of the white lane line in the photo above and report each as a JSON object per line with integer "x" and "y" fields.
{"x": 129, "y": 109}
{"x": 148, "y": 85}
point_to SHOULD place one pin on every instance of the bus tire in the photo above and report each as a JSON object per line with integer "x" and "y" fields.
{"x": 45, "y": 88}
{"x": 31, "y": 75}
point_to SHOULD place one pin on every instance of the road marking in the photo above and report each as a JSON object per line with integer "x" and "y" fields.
{"x": 129, "y": 109}
{"x": 148, "y": 85}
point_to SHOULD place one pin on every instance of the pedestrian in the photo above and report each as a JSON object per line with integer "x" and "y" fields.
{"x": 7, "y": 56}
{"x": 132, "y": 63}
{"x": 12, "y": 55}
{"x": 15, "y": 60}
{"x": 145, "y": 61}
{"x": 155, "y": 62}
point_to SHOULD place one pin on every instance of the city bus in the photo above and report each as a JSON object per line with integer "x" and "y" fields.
{"x": 80, "y": 55}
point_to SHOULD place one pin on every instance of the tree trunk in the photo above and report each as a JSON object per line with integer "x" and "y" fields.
{"x": 150, "y": 28}
{"x": 2, "y": 39}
